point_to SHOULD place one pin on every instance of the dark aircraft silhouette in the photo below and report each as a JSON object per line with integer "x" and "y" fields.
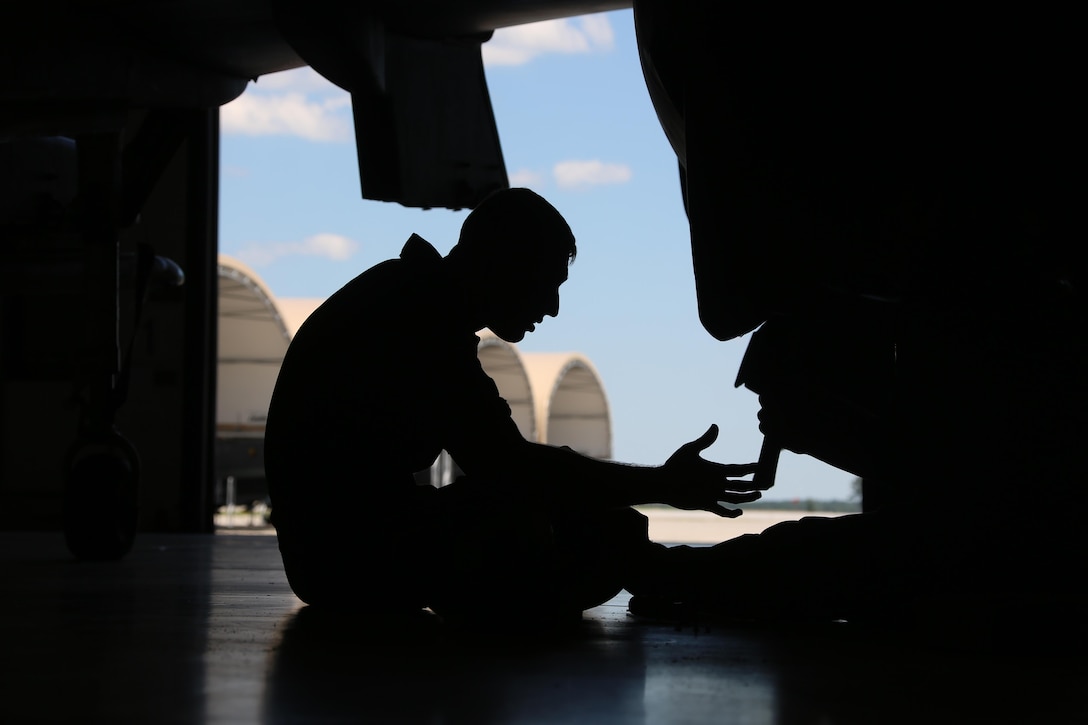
{"x": 893, "y": 200}
{"x": 879, "y": 189}
{"x": 890, "y": 199}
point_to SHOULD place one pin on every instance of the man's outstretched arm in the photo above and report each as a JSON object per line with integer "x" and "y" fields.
{"x": 563, "y": 478}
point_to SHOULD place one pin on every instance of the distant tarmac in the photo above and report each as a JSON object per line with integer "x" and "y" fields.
{"x": 673, "y": 526}
{"x": 667, "y": 526}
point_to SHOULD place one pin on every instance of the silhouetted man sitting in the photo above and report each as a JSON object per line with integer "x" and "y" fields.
{"x": 385, "y": 375}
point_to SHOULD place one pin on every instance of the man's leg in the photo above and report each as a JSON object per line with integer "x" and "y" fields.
{"x": 362, "y": 559}
{"x": 501, "y": 559}
{"x": 817, "y": 568}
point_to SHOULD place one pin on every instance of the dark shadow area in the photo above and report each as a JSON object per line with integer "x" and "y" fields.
{"x": 892, "y": 212}
{"x": 416, "y": 669}
{"x": 897, "y": 214}
{"x": 103, "y": 640}
{"x": 204, "y": 628}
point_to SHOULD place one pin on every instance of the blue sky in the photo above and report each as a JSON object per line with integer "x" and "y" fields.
{"x": 577, "y": 126}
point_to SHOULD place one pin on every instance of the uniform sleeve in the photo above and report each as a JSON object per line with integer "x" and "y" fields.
{"x": 476, "y": 421}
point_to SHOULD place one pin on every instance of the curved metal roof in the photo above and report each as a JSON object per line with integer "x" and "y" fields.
{"x": 253, "y": 339}
{"x": 554, "y": 398}
{"x": 571, "y": 405}
{"x": 502, "y": 362}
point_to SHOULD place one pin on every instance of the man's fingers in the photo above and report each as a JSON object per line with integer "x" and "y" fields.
{"x": 741, "y": 496}
{"x": 706, "y": 439}
{"x": 739, "y": 469}
{"x": 720, "y": 510}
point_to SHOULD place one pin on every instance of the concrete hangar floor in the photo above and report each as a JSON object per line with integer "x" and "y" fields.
{"x": 203, "y": 628}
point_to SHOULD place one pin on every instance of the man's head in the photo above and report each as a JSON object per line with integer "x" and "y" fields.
{"x": 516, "y": 248}
{"x": 517, "y": 223}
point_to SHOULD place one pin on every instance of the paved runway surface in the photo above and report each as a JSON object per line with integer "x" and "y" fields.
{"x": 667, "y": 525}
{"x": 203, "y": 628}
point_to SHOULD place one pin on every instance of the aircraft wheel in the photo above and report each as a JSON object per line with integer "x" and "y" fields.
{"x": 101, "y": 497}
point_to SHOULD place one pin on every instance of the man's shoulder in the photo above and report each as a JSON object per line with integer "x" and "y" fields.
{"x": 392, "y": 277}
{"x": 417, "y": 251}
{"x": 418, "y": 261}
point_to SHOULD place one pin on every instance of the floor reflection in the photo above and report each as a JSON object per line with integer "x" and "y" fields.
{"x": 415, "y": 670}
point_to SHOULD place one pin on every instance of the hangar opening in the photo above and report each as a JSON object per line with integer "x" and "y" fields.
{"x": 253, "y": 339}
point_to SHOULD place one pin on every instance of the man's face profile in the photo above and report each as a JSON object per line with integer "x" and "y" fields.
{"x": 529, "y": 296}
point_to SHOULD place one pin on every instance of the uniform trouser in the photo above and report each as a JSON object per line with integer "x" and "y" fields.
{"x": 460, "y": 551}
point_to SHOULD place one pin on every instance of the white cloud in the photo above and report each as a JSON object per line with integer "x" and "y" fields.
{"x": 333, "y": 246}
{"x": 291, "y": 114}
{"x": 525, "y": 177}
{"x": 297, "y": 102}
{"x": 599, "y": 31}
{"x": 519, "y": 44}
{"x": 580, "y": 174}
{"x": 329, "y": 246}
{"x": 301, "y": 80}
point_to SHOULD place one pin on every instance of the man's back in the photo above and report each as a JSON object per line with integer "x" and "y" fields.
{"x": 375, "y": 384}
{"x": 348, "y": 403}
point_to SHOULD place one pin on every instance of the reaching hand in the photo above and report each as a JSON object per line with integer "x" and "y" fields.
{"x": 694, "y": 483}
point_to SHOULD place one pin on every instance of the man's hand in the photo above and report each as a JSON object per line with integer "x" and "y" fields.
{"x": 694, "y": 483}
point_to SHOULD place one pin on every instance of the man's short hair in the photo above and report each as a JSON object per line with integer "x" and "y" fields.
{"x": 517, "y": 221}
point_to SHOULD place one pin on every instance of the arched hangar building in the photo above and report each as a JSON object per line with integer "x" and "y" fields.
{"x": 554, "y": 397}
